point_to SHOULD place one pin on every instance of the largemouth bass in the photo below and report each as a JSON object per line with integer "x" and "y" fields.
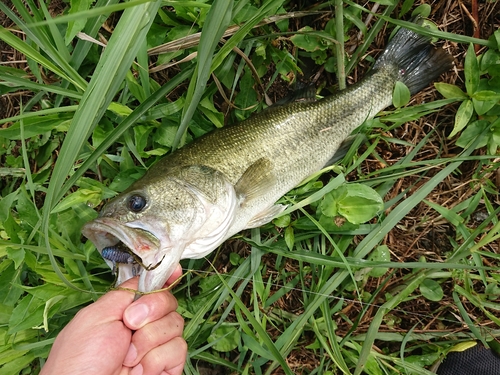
{"x": 229, "y": 180}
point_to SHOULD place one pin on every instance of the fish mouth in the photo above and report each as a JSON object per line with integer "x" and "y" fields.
{"x": 143, "y": 246}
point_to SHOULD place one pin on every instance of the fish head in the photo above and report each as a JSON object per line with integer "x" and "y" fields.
{"x": 162, "y": 218}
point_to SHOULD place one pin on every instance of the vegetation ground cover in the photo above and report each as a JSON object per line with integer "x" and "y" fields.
{"x": 94, "y": 92}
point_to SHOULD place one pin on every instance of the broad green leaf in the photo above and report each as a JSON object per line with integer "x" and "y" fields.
{"x": 26, "y": 210}
{"x": 28, "y": 313}
{"x": 86, "y": 196}
{"x": 17, "y": 255}
{"x": 282, "y": 221}
{"x": 492, "y": 291}
{"x": 329, "y": 206}
{"x": 226, "y": 338}
{"x": 482, "y": 107}
{"x": 75, "y": 26}
{"x": 6, "y": 204}
{"x": 208, "y": 109}
{"x": 16, "y": 361}
{"x": 119, "y": 109}
{"x": 136, "y": 88}
{"x": 360, "y": 203}
{"x": 490, "y": 58}
{"x": 372, "y": 366}
{"x": 165, "y": 134}
{"x": 486, "y": 95}
{"x": 462, "y": 346}
{"x": 463, "y": 116}
{"x": 450, "y": 91}
{"x": 235, "y": 259}
{"x": 476, "y": 131}
{"x": 289, "y": 237}
{"x": 310, "y": 40}
{"x": 381, "y": 253}
{"x": 163, "y": 110}
{"x": 256, "y": 347}
{"x": 423, "y": 359}
{"x": 401, "y": 94}
{"x": 471, "y": 70}
{"x": 37, "y": 125}
{"x": 431, "y": 290}
{"x": 423, "y": 10}
{"x": 496, "y": 35}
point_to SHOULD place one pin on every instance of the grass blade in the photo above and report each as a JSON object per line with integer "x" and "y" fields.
{"x": 115, "y": 62}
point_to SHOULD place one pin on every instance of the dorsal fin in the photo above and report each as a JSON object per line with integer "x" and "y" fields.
{"x": 305, "y": 94}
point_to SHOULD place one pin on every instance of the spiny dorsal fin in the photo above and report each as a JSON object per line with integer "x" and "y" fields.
{"x": 305, "y": 94}
{"x": 257, "y": 180}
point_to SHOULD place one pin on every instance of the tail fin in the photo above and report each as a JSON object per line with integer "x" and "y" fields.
{"x": 418, "y": 61}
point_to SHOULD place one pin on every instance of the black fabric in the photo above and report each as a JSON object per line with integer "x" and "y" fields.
{"x": 474, "y": 361}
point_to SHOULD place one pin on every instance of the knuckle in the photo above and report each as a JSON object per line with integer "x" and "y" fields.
{"x": 177, "y": 320}
{"x": 182, "y": 344}
{"x": 172, "y": 301}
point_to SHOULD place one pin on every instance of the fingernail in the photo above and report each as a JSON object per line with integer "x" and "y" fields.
{"x": 131, "y": 355}
{"x": 137, "y": 370}
{"x": 137, "y": 314}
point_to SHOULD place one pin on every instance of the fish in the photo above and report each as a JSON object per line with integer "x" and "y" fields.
{"x": 193, "y": 199}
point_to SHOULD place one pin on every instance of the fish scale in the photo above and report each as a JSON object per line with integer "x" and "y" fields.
{"x": 189, "y": 202}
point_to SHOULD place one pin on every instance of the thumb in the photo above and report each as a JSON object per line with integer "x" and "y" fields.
{"x": 111, "y": 306}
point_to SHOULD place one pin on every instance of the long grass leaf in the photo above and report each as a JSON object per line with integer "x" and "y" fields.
{"x": 217, "y": 21}
{"x": 277, "y": 355}
{"x": 428, "y": 31}
{"x": 92, "y": 26}
{"x": 339, "y": 46}
{"x": 41, "y": 112}
{"x": 375, "y": 323}
{"x": 31, "y": 53}
{"x": 370, "y": 241}
{"x": 115, "y": 62}
{"x": 122, "y": 128}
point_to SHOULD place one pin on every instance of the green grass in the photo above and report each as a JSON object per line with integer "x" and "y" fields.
{"x": 298, "y": 294}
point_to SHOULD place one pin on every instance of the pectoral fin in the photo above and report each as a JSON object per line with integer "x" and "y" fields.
{"x": 256, "y": 181}
{"x": 265, "y": 216}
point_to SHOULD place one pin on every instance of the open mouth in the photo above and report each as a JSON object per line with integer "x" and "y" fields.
{"x": 123, "y": 248}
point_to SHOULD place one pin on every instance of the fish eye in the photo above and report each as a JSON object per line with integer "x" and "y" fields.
{"x": 136, "y": 203}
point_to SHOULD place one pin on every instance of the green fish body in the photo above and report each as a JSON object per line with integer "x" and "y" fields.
{"x": 229, "y": 180}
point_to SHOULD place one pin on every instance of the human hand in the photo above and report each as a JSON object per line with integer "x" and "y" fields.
{"x": 116, "y": 335}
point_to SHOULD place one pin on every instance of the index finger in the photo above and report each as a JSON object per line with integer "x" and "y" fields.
{"x": 112, "y": 305}
{"x": 148, "y": 308}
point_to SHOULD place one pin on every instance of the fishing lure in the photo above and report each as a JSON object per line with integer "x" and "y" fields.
{"x": 116, "y": 254}
{"x": 121, "y": 255}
